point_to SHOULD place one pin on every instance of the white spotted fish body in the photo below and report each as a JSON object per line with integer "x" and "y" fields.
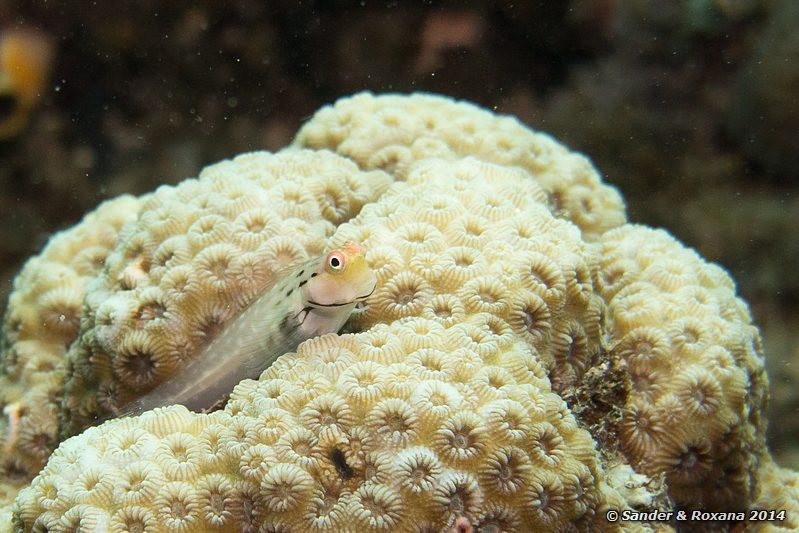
{"x": 308, "y": 300}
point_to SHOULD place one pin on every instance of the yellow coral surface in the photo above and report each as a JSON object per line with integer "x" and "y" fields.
{"x": 392, "y": 132}
{"x": 194, "y": 258}
{"x": 507, "y": 281}
{"x": 43, "y": 320}
{"x": 447, "y": 411}
{"x": 696, "y": 367}
{"x": 778, "y": 490}
{"x": 330, "y": 440}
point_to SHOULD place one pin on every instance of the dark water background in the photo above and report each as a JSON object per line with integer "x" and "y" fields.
{"x": 690, "y": 107}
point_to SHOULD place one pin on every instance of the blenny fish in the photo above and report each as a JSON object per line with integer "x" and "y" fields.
{"x": 308, "y": 300}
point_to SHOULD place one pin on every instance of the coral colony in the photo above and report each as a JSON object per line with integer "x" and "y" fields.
{"x": 528, "y": 361}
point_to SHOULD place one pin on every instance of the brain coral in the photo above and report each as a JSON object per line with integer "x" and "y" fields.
{"x": 527, "y": 360}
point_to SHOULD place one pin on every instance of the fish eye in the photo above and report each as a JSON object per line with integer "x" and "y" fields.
{"x": 335, "y": 261}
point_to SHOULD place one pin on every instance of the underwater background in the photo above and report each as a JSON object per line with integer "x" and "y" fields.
{"x": 690, "y": 108}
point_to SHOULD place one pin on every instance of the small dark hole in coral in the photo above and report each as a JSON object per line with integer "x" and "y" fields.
{"x": 141, "y": 363}
{"x": 344, "y": 470}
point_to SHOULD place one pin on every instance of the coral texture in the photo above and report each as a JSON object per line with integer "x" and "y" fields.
{"x": 329, "y": 440}
{"x": 471, "y": 237}
{"x": 392, "y": 132}
{"x": 195, "y": 257}
{"x": 43, "y": 320}
{"x": 778, "y": 490}
{"x": 190, "y": 259}
{"x": 446, "y": 412}
{"x": 508, "y": 283}
{"x": 697, "y": 404}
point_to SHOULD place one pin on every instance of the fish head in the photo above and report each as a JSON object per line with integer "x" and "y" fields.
{"x": 343, "y": 278}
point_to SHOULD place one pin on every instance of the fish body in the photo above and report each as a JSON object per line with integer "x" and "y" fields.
{"x": 311, "y": 299}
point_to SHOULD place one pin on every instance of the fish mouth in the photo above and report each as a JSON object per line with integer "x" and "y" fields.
{"x": 365, "y": 296}
{"x": 342, "y": 304}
